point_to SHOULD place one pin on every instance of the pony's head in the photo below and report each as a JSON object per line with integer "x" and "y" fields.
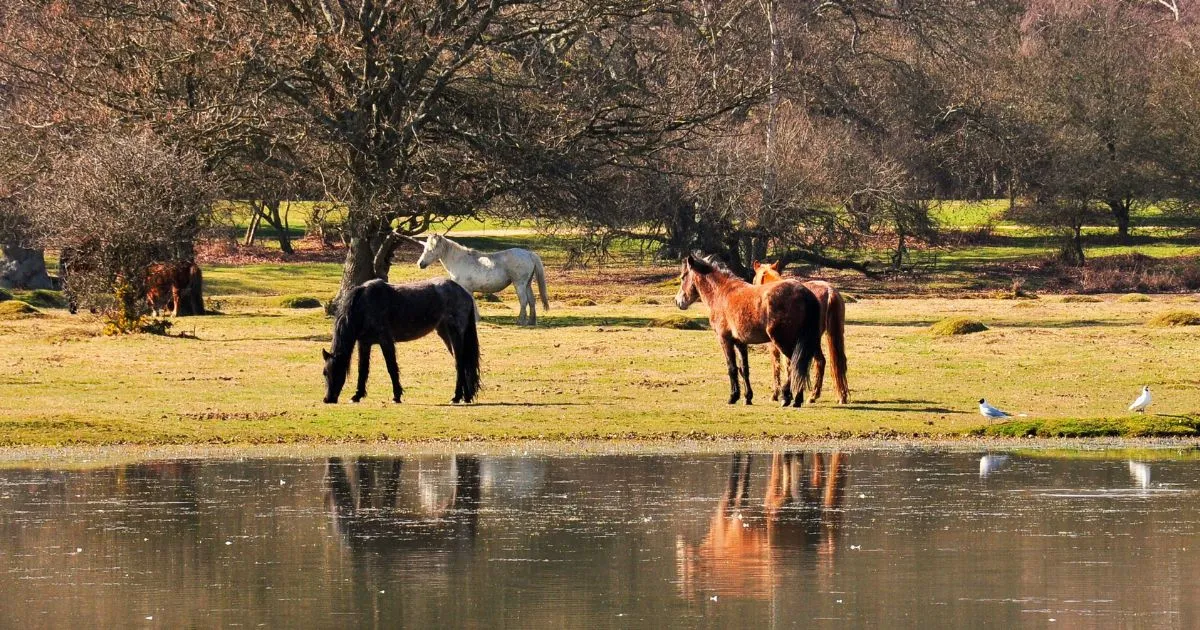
{"x": 691, "y": 268}
{"x": 432, "y": 251}
{"x": 768, "y": 272}
{"x": 335, "y": 375}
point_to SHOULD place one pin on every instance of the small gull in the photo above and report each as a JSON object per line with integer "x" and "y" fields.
{"x": 1142, "y": 401}
{"x": 988, "y": 411}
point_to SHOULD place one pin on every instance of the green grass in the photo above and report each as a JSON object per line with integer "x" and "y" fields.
{"x": 952, "y": 326}
{"x": 300, "y": 301}
{"x": 253, "y": 374}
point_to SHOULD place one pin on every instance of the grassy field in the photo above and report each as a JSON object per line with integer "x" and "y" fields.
{"x": 252, "y": 373}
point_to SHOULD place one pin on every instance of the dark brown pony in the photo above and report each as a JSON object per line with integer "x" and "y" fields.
{"x": 178, "y": 285}
{"x": 376, "y": 312}
{"x": 784, "y": 314}
{"x": 833, "y": 329}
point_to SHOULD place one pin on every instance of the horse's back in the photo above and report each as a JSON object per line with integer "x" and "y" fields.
{"x": 414, "y": 309}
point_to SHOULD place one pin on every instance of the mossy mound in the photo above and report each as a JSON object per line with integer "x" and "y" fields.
{"x": 849, "y": 299}
{"x": 45, "y": 298}
{"x": 957, "y": 326}
{"x": 1134, "y": 297}
{"x": 1076, "y": 299}
{"x": 640, "y": 299}
{"x": 1176, "y": 318}
{"x": 677, "y": 322}
{"x": 300, "y": 301}
{"x": 581, "y": 302}
{"x": 16, "y": 309}
{"x": 5, "y": 295}
{"x": 488, "y": 297}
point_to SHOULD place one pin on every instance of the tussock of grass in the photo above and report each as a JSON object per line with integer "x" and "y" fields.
{"x": 1077, "y": 299}
{"x": 1134, "y": 297}
{"x": 1176, "y": 318}
{"x": 1150, "y": 425}
{"x": 488, "y": 297}
{"x": 16, "y": 309}
{"x": 640, "y": 299}
{"x": 5, "y": 295}
{"x": 45, "y": 298}
{"x": 300, "y": 301}
{"x": 957, "y": 326}
{"x": 849, "y": 299}
{"x": 676, "y": 322}
{"x": 581, "y": 302}
{"x": 1024, "y": 304}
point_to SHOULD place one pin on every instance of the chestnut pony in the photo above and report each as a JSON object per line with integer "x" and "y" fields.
{"x": 833, "y": 329}
{"x": 785, "y": 314}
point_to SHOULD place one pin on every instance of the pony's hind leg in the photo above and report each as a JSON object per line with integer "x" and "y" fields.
{"x": 364, "y": 368}
{"x": 775, "y": 371}
{"x": 743, "y": 350}
{"x": 785, "y": 394}
{"x": 818, "y": 376}
{"x": 389, "y": 357}
{"x": 529, "y": 297}
{"x": 727, "y": 346}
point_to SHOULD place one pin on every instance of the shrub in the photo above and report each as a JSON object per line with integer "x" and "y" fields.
{"x": 300, "y": 301}
{"x": 16, "y": 309}
{"x": 1133, "y": 297}
{"x": 1176, "y": 318}
{"x": 677, "y": 322}
{"x": 957, "y": 326}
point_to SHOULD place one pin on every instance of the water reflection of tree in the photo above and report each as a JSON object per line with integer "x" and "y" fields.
{"x": 364, "y": 505}
{"x": 750, "y": 544}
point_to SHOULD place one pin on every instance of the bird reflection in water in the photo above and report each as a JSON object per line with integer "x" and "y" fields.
{"x": 750, "y": 544}
{"x": 1140, "y": 472}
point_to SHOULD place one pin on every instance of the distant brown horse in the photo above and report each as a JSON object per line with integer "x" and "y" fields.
{"x": 833, "y": 330}
{"x": 178, "y": 285}
{"x": 784, "y": 314}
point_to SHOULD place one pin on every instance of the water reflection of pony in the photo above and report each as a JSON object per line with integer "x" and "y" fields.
{"x": 784, "y": 314}
{"x": 833, "y": 331}
{"x": 380, "y": 313}
{"x": 364, "y": 505}
{"x": 745, "y": 549}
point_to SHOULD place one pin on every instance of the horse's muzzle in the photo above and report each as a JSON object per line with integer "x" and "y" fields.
{"x": 682, "y": 304}
{"x": 422, "y": 264}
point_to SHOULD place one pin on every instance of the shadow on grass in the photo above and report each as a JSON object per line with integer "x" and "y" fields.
{"x": 570, "y": 321}
{"x": 900, "y": 405}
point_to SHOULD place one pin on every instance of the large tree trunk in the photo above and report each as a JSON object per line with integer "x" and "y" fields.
{"x": 22, "y": 268}
{"x": 1120, "y": 210}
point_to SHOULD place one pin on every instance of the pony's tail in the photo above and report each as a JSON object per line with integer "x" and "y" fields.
{"x": 540, "y": 273}
{"x": 808, "y": 344}
{"x": 196, "y": 289}
{"x": 467, "y": 358}
{"x": 835, "y": 327}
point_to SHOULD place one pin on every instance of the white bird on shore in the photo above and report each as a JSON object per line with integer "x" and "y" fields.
{"x": 988, "y": 411}
{"x": 1142, "y": 401}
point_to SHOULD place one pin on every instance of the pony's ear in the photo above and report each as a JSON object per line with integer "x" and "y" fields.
{"x": 777, "y": 265}
{"x": 325, "y": 354}
{"x": 756, "y": 265}
{"x": 690, "y": 260}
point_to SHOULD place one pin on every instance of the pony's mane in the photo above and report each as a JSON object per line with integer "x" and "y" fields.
{"x": 713, "y": 263}
{"x": 470, "y": 250}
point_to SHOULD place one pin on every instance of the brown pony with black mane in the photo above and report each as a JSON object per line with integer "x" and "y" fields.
{"x": 833, "y": 330}
{"x": 784, "y": 314}
{"x": 376, "y": 312}
{"x": 175, "y": 286}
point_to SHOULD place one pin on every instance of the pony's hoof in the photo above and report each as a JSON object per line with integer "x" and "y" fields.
{"x": 733, "y": 400}
{"x": 775, "y": 396}
{"x": 748, "y": 403}
{"x": 357, "y": 397}
{"x": 455, "y": 401}
{"x": 787, "y": 402}
{"x": 396, "y": 399}
{"x": 812, "y": 400}
{"x": 798, "y": 403}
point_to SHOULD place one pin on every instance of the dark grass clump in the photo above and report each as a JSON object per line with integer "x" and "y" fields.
{"x": 957, "y": 326}
{"x": 300, "y": 301}
{"x": 581, "y": 302}
{"x": 1134, "y": 297}
{"x": 45, "y": 298}
{"x": 1175, "y": 318}
{"x": 676, "y": 322}
{"x": 5, "y": 295}
{"x": 640, "y": 299}
{"x": 1080, "y": 299}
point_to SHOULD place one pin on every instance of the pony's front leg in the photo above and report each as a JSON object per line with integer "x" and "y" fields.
{"x": 389, "y": 357}
{"x": 727, "y": 346}
{"x": 775, "y": 371}
{"x": 743, "y": 350}
{"x": 364, "y": 368}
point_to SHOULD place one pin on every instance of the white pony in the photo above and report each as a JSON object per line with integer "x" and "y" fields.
{"x": 489, "y": 273}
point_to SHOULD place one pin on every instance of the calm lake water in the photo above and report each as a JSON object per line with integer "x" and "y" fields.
{"x": 893, "y": 538}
